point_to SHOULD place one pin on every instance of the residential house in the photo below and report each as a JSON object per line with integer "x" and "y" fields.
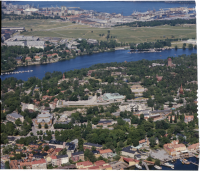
{"x": 129, "y": 151}
{"x": 13, "y": 164}
{"x": 193, "y": 147}
{"x": 26, "y": 164}
{"x": 28, "y": 59}
{"x": 19, "y": 59}
{"x": 37, "y": 58}
{"x": 62, "y": 159}
{"x": 188, "y": 118}
{"x": 90, "y": 72}
{"x": 128, "y": 121}
{"x": 83, "y": 165}
{"x": 106, "y": 153}
{"x": 77, "y": 156}
{"x": 89, "y": 146}
{"x": 39, "y": 164}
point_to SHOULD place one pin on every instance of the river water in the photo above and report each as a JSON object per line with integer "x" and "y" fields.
{"x": 88, "y": 60}
{"x": 123, "y": 7}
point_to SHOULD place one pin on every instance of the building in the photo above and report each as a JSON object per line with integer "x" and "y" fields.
{"x": 14, "y": 116}
{"x": 15, "y": 43}
{"x": 174, "y": 148}
{"x": 129, "y": 151}
{"x": 106, "y": 153}
{"x": 90, "y": 72}
{"x": 137, "y": 89}
{"x": 188, "y": 118}
{"x": 39, "y": 164}
{"x": 77, "y": 156}
{"x": 13, "y": 164}
{"x": 35, "y": 44}
{"x": 193, "y": 147}
{"x": 19, "y": 59}
{"x": 170, "y": 64}
{"x": 112, "y": 97}
{"x": 159, "y": 78}
{"x": 28, "y": 59}
{"x": 84, "y": 165}
{"x": 130, "y": 161}
{"x": 181, "y": 90}
{"x": 62, "y": 159}
{"x": 44, "y": 118}
{"x": 37, "y": 58}
{"x": 92, "y": 41}
{"x": 89, "y": 146}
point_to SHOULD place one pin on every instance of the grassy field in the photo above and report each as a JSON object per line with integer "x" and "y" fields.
{"x": 51, "y": 28}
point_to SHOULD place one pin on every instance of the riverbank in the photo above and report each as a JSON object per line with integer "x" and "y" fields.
{"x": 62, "y": 59}
{"x": 87, "y": 61}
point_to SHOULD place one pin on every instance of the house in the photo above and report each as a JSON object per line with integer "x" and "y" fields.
{"x": 130, "y": 161}
{"x": 193, "y": 147}
{"x": 26, "y": 164}
{"x": 28, "y": 59}
{"x": 83, "y": 165}
{"x": 188, "y": 118}
{"x": 37, "y": 58}
{"x": 49, "y": 55}
{"x": 100, "y": 163}
{"x": 90, "y": 72}
{"x": 159, "y": 78}
{"x": 13, "y": 164}
{"x": 56, "y": 151}
{"x": 39, "y": 164}
{"x": 19, "y": 59}
{"x": 96, "y": 153}
{"x": 54, "y": 54}
{"x": 77, "y": 156}
{"x": 128, "y": 121}
{"x": 180, "y": 135}
{"x": 14, "y": 116}
{"x": 62, "y": 159}
{"x": 89, "y": 146}
{"x": 92, "y": 41}
{"x": 106, "y": 153}
{"x": 129, "y": 151}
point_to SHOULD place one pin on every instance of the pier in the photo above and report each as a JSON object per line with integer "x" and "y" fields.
{"x": 146, "y": 166}
{"x": 194, "y": 163}
{"x": 16, "y": 72}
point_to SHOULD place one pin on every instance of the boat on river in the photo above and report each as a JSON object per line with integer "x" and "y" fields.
{"x": 169, "y": 165}
{"x": 138, "y": 166}
{"x": 158, "y": 167}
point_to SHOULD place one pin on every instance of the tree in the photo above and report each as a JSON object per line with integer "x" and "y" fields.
{"x": 176, "y": 47}
{"x": 157, "y": 162}
{"x": 171, "y": 119}
{"x": 80, "y": 144}
{"x": 175, "y": 120}
{"x": 46, "y": 148}
{"x": 31, "y": 134}
{"x": 135, "y": 142}
{"x": 18, "y": 122}
{"x": 190, "y": 46}
{"x": 39, "y": 126}
{"x": 46, "y": 126}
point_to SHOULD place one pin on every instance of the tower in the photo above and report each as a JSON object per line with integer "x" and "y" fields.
{"x": 181, "y": 90}
{"x": 169, "y": 62}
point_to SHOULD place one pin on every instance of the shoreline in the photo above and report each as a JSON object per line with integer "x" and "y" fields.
{"x": 112, "y": 50}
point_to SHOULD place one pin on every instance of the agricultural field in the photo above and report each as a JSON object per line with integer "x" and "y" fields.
{"x": 53, "y": 28}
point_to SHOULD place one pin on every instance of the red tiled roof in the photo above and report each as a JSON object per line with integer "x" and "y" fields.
{"x": 93, "y": 168}
{"x": 105, "y": 167}
{"x": 54, "y": 157}
{"x": 27, "y": 58}
{"x": 39, "y": 161}
{"x": 85, "y": 163}
{"x": 57, "y": 150}
{"x": 105, "y": 151}
{"x": 99, "y": 163}
{"x": 37, "y": 57}
{"x": 142, "y": 141}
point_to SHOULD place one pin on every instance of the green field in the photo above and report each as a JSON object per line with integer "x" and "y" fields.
{"x": 51, "y": 28}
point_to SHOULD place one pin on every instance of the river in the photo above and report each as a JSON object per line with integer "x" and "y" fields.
{"x": 88, "y": 60}
{"x": 123, "y": 7}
